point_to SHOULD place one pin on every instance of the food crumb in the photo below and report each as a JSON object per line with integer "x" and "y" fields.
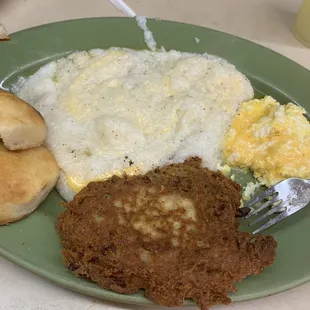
{"x": 249, "y": 190}
{"x": 225, "y": 169}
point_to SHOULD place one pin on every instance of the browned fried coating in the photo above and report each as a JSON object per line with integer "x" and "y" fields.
{"x": 172, "y": 232}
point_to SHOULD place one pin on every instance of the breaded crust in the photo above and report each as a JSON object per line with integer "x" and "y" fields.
{"x": 26, "y": 177}
{"x": 172, "y": 232}
{"x": 21, "y": 126}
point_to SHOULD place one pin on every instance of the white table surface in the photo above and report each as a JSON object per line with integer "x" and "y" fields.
{"x": 267, "y": 22}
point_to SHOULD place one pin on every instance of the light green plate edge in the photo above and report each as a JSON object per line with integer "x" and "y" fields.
{"x": 33, "y": 242}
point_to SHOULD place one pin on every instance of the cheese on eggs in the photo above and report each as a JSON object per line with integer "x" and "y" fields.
{"x": 272, "y": 140}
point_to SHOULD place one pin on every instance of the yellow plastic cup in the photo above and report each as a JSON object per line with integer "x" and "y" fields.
{"x": 302, "y": 25}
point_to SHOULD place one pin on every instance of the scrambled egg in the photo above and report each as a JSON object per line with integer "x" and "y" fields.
{"x": 272, "y": 140}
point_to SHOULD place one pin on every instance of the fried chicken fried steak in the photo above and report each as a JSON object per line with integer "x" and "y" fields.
{"x": 172, "y": 232}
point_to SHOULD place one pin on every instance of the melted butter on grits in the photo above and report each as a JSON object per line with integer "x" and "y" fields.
{"x": 123, "y": 111}
{"x": 271, "y": 139}
{"x": 77, "y": 184}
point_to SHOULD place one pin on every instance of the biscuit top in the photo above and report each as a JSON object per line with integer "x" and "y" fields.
{"x": 21, "y": 126}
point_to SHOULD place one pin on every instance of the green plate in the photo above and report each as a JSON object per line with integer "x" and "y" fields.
{"x": 33, "y": 242}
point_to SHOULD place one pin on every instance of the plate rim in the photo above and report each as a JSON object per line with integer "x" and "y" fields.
{"x": 65, "y": 21}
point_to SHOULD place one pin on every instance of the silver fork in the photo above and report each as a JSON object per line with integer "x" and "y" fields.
{"x": 285, "y": 198}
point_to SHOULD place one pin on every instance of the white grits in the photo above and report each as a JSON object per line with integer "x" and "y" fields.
{"x": 129, "y": 111}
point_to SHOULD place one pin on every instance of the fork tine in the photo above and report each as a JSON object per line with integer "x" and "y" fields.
{"x": 270, "y": 212}
{"x": 279, "y": 218}
{"x": 272, "y": 222}
{"x": 260, "y": 197}
{"x": 262, "y": 207}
